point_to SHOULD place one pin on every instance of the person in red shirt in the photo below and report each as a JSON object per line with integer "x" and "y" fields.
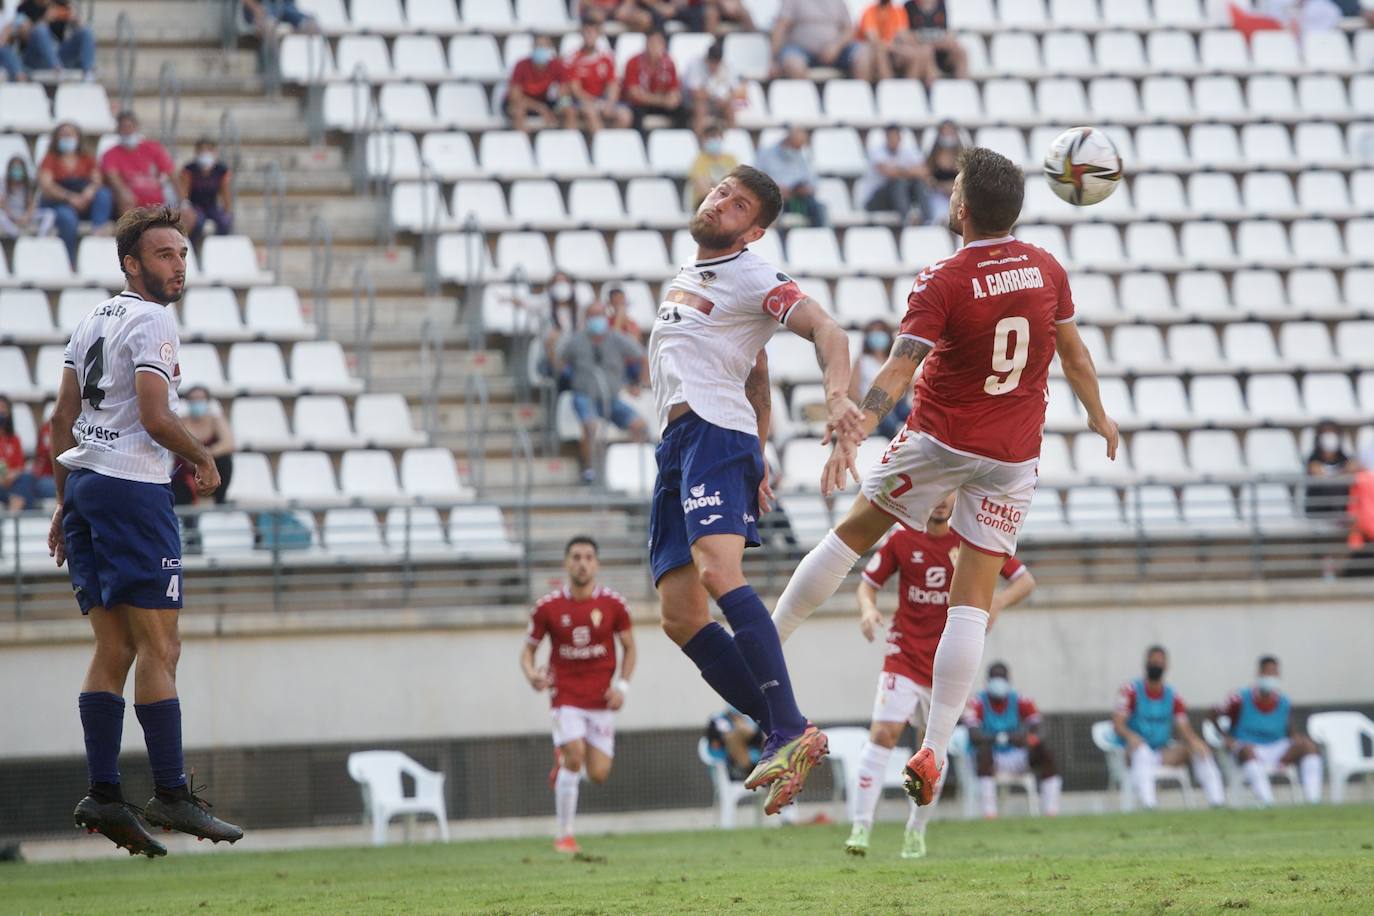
{"x": 21, "y": 484}
{"x": 72, "y": 187}
{"x": 1004, "y": 728}
{"x": 924, "y": 564}
{"x": 139, "y": 171}
{"x": 534, "y": 85}
{"x": 590, "y": 91}
{"x": 651, "y": 85}
{"x": 992, "y": 316}
{"x": 582, "y": 621}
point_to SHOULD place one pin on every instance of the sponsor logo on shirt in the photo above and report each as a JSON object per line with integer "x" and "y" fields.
{"x": 1002, "y": 518}
{"x": 699, "y": 499}
{"x": 581, "y": 653}
{"x": 712, "y": 519}
{"x": 917, "y": 595}
{"x": 171, "y": 562}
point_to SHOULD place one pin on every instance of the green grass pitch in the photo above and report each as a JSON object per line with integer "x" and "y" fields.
{"x": 1292, "y": 860}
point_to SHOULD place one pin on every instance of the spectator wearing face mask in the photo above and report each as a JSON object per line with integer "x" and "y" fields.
{"x": 20, "y": 487}
{"x": 206, "y": 186}
{"x": 19, "y": 213}
{"x": 942, "y": 161}
{"x": 877, "y": 344}
{"x": 1327, "y": 467}
{"x": 562, "y": 321}
{"x": 597, "y": 360}
{"x": 209, "y": 426}
{"x": 534, "y": 85}
{"x": 140, "y": 172}
{"x": 73, "y": 187}
{"x": 618, "y": 310}
{"x": 712, "y": 163}
{"x": 1261, "y": 733}
{"x": 1004, "y": 728}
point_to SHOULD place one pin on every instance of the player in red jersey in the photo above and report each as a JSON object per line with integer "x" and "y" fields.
{"x": 992, "y": 316}
{"x": 924, "y": 562}
{"x": 582, "y": 621}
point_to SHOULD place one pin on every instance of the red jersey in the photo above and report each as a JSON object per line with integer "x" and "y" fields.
{"x": 537, "y": 82}
{"x": 649, "y": 77}
{"x": 143, "y": 169}
{"x": 582, "y": 633}
{"x": 1026, "y": 711}
{"x": 592, "y": 70}
{"x": 989, "y": 312}
{"x": 11, "y": 453}
{"x": 926, "y": 566}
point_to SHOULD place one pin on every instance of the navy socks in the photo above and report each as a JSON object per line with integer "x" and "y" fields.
{"x": 161, "y": 723}
{"x": 757, "y": 639}
{"x": 102, "y": 722}
{"x": 716, "y": 655}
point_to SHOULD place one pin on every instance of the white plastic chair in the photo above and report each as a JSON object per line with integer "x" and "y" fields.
{"x": 729, "y": 794}
{"x": 961, "y": 752}
{"x": 1119, "y": 774}
{"x": 379, "y": 774}
{"x": 1342, "y": 734}
{"x": 1231, "y": 773}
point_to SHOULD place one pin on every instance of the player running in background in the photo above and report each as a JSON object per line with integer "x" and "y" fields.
{"x": 924, "y": 562}
{"x": 1147, "y": 714}
{"x": 582, "y": 621}
{"x": 1263, "y": 736}
{"x": 1004, "y": 729}
{"x": 709, "y": 374}
{"x": 992, "y": 315}
{"x": 113, "y": 428}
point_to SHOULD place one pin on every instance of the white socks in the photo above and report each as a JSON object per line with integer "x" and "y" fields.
{"x": 1051, "y": 787}
{"x": 565, "y": 800}
{"x": 1143, "y": 776}
{"x": 1209, "y": 777}
{"x": 956, "y": 665}
{"x": 987, "y": 794}
{"x": 1258, "y": 777}
{"x": 920, "y": 815}
{"x": 818, "y": 576}
{"x": 1310, "y": 767}
{"x": 872, "y": 767}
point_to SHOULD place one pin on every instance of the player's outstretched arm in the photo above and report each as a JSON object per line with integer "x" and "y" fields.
{"x": 807, "y": 319}
{"x": 1017, "y": 590}
{"x": 64, "y": 417}
{"x": 871, "y": 621}
{"x": 167, "y": 430}
{"x": 1082, "y": 377}
{"x": 759, "y": 391}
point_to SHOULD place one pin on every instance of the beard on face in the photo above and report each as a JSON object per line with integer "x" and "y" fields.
{"x": 157, "y": 289}
{"x": 707, "y": 235}
{"x": 952, "y": 222}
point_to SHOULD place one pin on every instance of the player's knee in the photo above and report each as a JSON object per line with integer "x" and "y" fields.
{"x": 599, "y": 770}
{"x": 1304, "y": 745}
{"x": 573, "y": 756}
{"x": 1245, "y": 754}
{"x": 885, "y": 734}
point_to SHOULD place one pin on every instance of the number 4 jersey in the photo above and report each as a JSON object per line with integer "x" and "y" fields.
{"x": 989, "y": 312}
{"x": 120, "y": 338}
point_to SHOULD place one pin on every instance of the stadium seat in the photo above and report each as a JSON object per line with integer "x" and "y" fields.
{"x": 26, "y": 318}
{"x": 1015, "y": 53}
{"x": 796, "y": 102}
{"x": 1322, "y": 193}
{"x": 24, "y": 108}
{"x": 227, "y": 536}
{"x": 838, "y": 151}
{"x": 1158, "y": 453}
{"x": 15, "y": 378}
{"x": 536, "y": 203}
{"x": 464, "y": 105}
{"x": 814, "y": 250}
{"x": 200, "y": 365}
{"x": 1272, "y": 451}
{"x": 1355, "y": 342}
{"x": 47, "y": 368}
{"x": 97, "y": 261}
{"x": 1094, "y": 296}
{"x": 493, "y": 16}
{"x": 620, "y": 153}
{"x": 322, "y": 423}
{"x": 1330, "y": 394}
{"x": 1161, "y": 400}
{"x": 259, "y": 424}
{"x": 352, "y": 534}
{"x": 792, "y": 359}
{"x": 956, "y": 99}
{"x": 902, "y": 101}
{"x": 364, "y": 56}
{"x": 1095, "y": 246}
{"x": 1095, "y": 509}
{"x": 1306, "y": 344}
{"x": 307, "y": 478}
{"x": 630, "y": 468}
{"x": 1007, "y": 100}
{"x": 1202, "y": 292}
{"x": 1274, "y": 398}
{"x": 527, "y": 251}
{"x": 485, "y": 203}
{"x": 1216, "y": 145}
{"x": 431, "y": 475}
{"x": 1319, "y": 143}
{"x": 258, "y": 368}
{"x": 672, "y": 150}
{"x": 1160, "y": 196}
{"x": 415, "y": 530}
{"x": 408, "y": 106}
{"x": 212, "y": 313}
{"x": 1166, "y": 98}
{"x": 231, "y": 260}
{"x": 1146, "y": 293}
{"x": 450, "y": 155}
{"x": 1266, "y": 96}
{"x": 859, "y": 300}
{"x": 84, "y": 104}
{"x": 319, "y": 367}
{"x": 1249, "y": 345}
{"x": 1195, "y": 348}
{"x": 420, "y": 58}
{"x": 1120, "y": 52}
{"x": 1152, "y": 245}
{"x": 419, "y": 207}
{"x": 1171, "y": 52}
{"x": 507, "y": 154}
{"x": 1074, "y": 13}
{"x": 640, "y": 253}
{"x": 41, "y": 261}
{"x": 1358, "y": 242}
{"x": 1054, "y": 458}
{"x": 748, "y": 53}
{"x": 382, "y": 774}
{"x": 1317, "y": 241}
{"x": 1262, "y": 242}
{"x": 1215, "y": 452}
{"x": 1214, "y": 195}
{"x": 1209, "y": 507}
{"x": 871, "y": 249}
{"x": 654, "y": 202}
{"x": 563, "y": 154}
{"x": 305, "y": 59}
{"x": 383, "y": 421}
{"x": 1161, "y": 146}
{"x": 369, "y": 476}
{"x": 1090, "y": 459}
{"x": 1050, "y": 238}
{"x": 393, "y": 155}
{"x": 479, "y": 532}
{"x": 1315, "y": 290}
{"x": 1207, "y": 243}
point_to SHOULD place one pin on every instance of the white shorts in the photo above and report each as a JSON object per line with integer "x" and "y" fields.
{"x": 900, "y": 699}
{"x": 1010, "y": 761}
{"x": 916, "y": 472}
{"x": 595, "y": 726}
{"x": 1271, "y": 753}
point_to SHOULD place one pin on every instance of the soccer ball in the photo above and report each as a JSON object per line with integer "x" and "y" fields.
{"x": 1083, "y": 166}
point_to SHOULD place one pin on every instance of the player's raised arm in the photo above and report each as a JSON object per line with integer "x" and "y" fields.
{"x": 758, "y": 389}
{"x": 1078, "y": 367}
{"x": 167, "y": 430}
{"x": 807, "y": 319}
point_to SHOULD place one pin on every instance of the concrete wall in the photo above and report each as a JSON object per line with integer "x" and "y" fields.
{"x": 296, "y": 687}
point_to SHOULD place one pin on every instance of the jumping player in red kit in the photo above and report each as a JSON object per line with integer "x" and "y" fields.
{"x": 582, "y": 621}
{"x": 924, "y": 564}
{"x": 991, "y": 316}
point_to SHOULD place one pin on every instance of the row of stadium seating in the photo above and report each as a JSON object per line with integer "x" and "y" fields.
{"x": 366, "y": 476}
{"x": 27, "y": 108}
{"x": 43, "y": 262}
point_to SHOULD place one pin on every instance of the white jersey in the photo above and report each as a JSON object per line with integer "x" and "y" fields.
{"x": 715, "y": 317}
{"x": 120, "y": 338}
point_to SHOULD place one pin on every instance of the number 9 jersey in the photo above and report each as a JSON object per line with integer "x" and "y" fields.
{"x": 989, "y": 313}
{"x": 120, "y": 338}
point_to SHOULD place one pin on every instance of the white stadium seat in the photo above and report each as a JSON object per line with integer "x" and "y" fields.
{"x": 200, "y": 365}
{"x": 322, "y": 422}
{"x": 420, "y": 57}
{"x": 24, "y": 108}
{"x": 84, "y": 104}
{"x": 97, "y": 261}
{"x": 1272, "y": 451}
{"x": 383, "y": 420}
{"x": 1263, "y": 144}
{"x": 431, "y": 475}
{"x": 259, "y": 424}
{"x": 369, "y": 475}
{"x": 306, "y": 59}
{"x": 1120, "y": 52}
{"x": 363, "y": 56}
{"x": 42, "y": 261}
{"x": 619, "y": 152}
{"x": 319, "y": 367}
{"x": 307, "y": 477}
{"x": 480, "y": 531}
{"x": 534, "y": 202}
{"x": 212, "y": 312}
{"x": 1215, "y": 451}
{"x": 352, "y": 533}
{"x": 415, "y": 529}
{"x": 596, "y": 202}
{"x": 956, "y": 99}
{"x": 258, "y": 368}
{"x": 231, "y": 260}
{"x": 26, "y": 318}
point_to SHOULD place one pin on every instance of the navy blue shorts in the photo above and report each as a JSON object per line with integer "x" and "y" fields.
{"x": 708, "y": 483}
{"x": 123, "y": 543}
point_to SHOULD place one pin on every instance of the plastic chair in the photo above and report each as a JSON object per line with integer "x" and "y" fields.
{"x": 1342, "y": 734}
{"x": 729, "y": 794}
{"x": 1119, "y": 774}
{"x": 961, "y": 753}
{"x": 1230, "y": 770}
{"x": 379, "y": 774}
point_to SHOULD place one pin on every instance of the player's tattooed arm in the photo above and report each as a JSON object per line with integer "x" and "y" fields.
{"x": 893, "y": 379}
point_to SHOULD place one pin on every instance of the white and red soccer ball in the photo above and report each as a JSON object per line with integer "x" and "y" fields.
{"x": 1083, "y": 166}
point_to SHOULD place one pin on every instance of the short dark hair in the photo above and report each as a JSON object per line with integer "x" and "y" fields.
{"x": 716, "y": 51}
{"x": 581, "y": 539}
{"x": 993, "y": 188}
{"x": 656, "y": 30}
{"x": 1156, "y": 648}
{"x": 131, "y": 226}
{"x": 205, "y": 140}
{"x": 998, "y": 665}
{"x": 126, "y": 115}
{"x": 1267, "y": 660}
{"x": 764, "y": 189}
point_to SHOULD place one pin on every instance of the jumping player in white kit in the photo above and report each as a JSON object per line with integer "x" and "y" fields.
{"x": 992, "y": 316}
{"x": 113, "y": 432}
{"x": 710, "y": 379}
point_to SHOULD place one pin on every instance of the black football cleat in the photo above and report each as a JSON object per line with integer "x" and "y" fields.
{"x": 119, "y": 821}
{"x": 190, "y": 814}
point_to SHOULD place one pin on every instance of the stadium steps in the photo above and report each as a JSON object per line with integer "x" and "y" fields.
{"x": 171, "y": 23}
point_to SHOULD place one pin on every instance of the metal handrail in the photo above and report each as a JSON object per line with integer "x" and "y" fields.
{"x": 231, "y": 152}
{"x": 363, "y": 124}
{"x": 364, "y": 293}
{"x": 126, "y": 53}
{"x": 431, "y": 373}
{"x": 229, "y": 24}
{"x": 274, "y": 213}
{"x": 474, "y": 244}
{"x": 477, "y": 409}
{"x": 169, "y": 97}
{"x": 321, "y": 268}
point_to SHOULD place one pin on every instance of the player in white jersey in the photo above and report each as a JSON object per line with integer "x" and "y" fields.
{"x": 113, "y": 428}
{"x": 710, "y": 379}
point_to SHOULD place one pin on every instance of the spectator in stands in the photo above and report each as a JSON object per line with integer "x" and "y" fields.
{"x": 1361, "y": 516}
{"x": 650, "y": 85}
{"x": 634, "y": 15}
{"x": 714, "y": 90}
{"x": 734, "y": 738}
{"x": 207, "y": 424}
{"x": 816, "y": 33}
{"x": 20, "y": 487}
{"x": 19, "y": 213}
{"x": 563, "y": 321}
{"x": 1327, "y": 467}
{"x": 1004, "y": 728}
{"x": 877, "y": 343}
{"x": 884, "y": 29}
{"x": 73, "y": 186}
{"x": 896, "y": 179}
{"x": 618, "y": 310}
{"x": 789, "y": 164}
{"x": 937, "y": 51}
{"x": 1260, "y": 731}
{"x": 140, "y": 172}
{"x": 206, "y": 185}
{"x": 264, "y": 15}
{"x": 942, "y": 162}
{"x": 597, "y": 358}
{"x": 1148, "y": 715}
{"x": 1297, "y": 16}
{"x": 54, "y": 37}
{"x": 10, "y": 62}
{"x": 714, "y": 12}
{"x": 534, "y": 85}
{"x": 590, "y": 90}
{"x": 711, "y": 164}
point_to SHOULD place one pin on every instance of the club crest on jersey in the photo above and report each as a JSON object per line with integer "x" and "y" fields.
{"x": 166, "y": 351}
{"x": 706, "y": 277}
{"x": 596, "y": 617}
{"x": 565, "y": 620}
